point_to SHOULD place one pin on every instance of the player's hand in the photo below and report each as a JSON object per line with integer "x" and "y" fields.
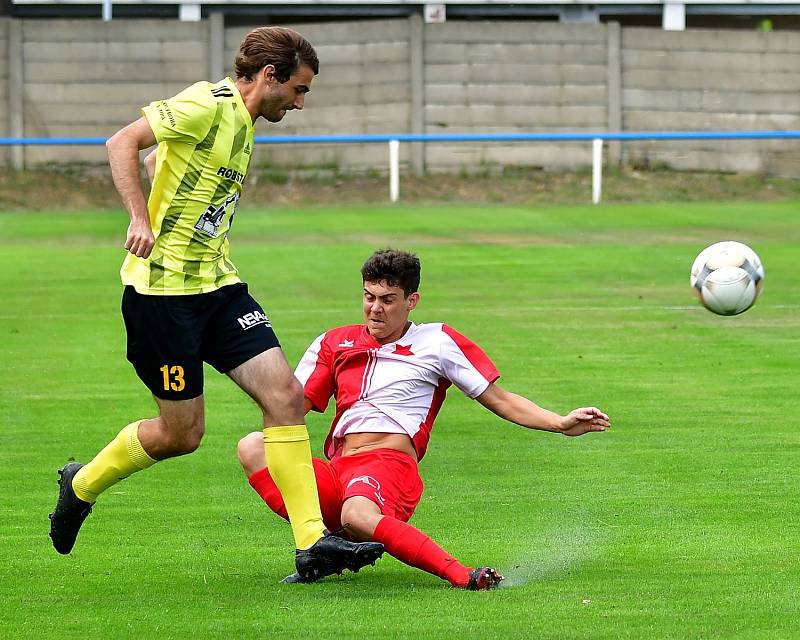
{"x": 584, "y": 420}
{"x": 140, "y": 238}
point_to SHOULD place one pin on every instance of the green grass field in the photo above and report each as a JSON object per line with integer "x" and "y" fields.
{"x": 681, "y": 522}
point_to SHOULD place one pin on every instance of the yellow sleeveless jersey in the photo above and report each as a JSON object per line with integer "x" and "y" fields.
{"x": 205, "y": 138}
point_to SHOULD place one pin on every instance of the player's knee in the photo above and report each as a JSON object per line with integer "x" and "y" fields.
{"x": 360, "y": 522}
{"x": 293, "y": 392}
{"x": 286, "y": 406}
{"x": 250, "y": 452}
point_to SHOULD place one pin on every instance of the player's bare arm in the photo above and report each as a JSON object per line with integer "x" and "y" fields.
{"x": 524, "y": 412}
{"x": 123, "y": 156}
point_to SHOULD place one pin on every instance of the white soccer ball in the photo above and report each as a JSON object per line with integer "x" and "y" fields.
{"x": 727, "y": 277}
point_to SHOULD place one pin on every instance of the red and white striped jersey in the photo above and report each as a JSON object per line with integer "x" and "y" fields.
{"x": 396, "y": 387}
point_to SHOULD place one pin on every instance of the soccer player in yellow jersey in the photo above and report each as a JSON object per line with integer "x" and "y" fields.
{"x": 184, "y": 302}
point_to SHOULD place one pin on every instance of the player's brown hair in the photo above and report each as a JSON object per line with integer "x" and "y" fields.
{"x": 397, "y": 268}
{"x": 283, "y": 48}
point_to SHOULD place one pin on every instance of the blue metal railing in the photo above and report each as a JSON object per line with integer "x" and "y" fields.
{"x": 394, "y": 140}
{"x": 532, "y": 137}
{"x": 462, "y": 137}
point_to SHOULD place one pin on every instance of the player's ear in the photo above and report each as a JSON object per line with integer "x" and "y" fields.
{"x": 268, "y": 72}
{"x": 412, "y": 300}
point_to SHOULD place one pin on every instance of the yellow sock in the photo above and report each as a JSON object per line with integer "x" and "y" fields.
{"x": 289, "y": 462}
{"x": 120, "y": 458}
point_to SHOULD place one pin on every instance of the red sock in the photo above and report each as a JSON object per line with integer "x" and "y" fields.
{"x": 413, "y": 547}
{"x": 264, "y": 486}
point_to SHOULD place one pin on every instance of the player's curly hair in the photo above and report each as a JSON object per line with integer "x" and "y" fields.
{"x": 283, "y": 48}
{"x": 397, "y": 268}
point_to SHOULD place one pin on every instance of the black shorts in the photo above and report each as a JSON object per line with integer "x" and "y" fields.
{"x": 169, "y": 337}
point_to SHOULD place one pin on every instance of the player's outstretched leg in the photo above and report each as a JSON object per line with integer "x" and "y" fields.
{"x": 410, "y": 545}
{"x": 484, "y": 578}
{"x": 332, "y": 554}
{"x": 70, "y": 511}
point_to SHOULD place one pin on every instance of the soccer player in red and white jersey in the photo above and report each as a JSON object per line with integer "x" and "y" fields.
{"x": 389, "y": 377}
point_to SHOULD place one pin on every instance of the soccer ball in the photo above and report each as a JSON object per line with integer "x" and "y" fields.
{"x": 727, "y": 277}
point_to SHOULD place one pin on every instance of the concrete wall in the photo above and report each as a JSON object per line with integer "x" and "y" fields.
{"x": 504, "y": 77}
{"x": 88, "y": 78}
{"x": 4, "y": 112}
{"x": 712, "y": 80}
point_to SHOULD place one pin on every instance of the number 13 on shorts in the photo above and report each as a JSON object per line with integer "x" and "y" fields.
{"x": 173, "y": 377}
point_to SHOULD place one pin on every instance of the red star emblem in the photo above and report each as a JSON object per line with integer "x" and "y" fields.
{"x": 402, "y": 350}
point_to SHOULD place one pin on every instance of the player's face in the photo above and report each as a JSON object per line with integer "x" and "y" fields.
{"x": 386, "y": 311}
{"x": 280, "y": 97}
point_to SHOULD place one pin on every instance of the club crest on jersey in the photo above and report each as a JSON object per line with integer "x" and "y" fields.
{"x": 253, "y": 319}
{"x": 403, "y": 350}
{"x": 211, "y": 219}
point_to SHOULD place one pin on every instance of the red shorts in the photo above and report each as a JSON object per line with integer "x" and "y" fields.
{"x": 387, "y": 477}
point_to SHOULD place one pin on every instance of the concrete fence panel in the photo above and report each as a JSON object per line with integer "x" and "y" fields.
{"x": 515, "y": 78}
{"x": 712, "y": 80}
{"x": 88, "y": 78}
{"x": 5, "y": 125}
